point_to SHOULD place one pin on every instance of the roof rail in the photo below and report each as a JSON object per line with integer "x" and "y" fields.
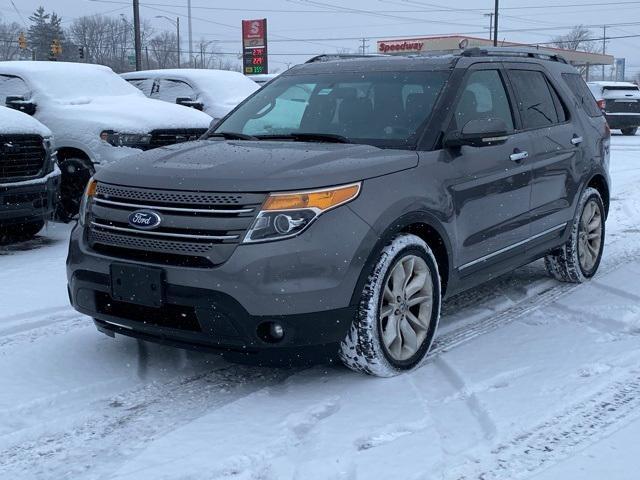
{"x": 328, "y": 57}
{"x": 512, "y": 52}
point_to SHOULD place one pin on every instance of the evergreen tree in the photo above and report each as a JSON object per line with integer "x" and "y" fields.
{"x": 45, "y": 28}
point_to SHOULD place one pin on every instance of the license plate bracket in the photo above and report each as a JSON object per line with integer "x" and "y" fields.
{"x": 138, "y": 285}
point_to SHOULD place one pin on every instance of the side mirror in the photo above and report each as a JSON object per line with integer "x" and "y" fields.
{"x": 20, "y": 104}
{"x": 478, "y": 133}
{"x": 188, "y": 102}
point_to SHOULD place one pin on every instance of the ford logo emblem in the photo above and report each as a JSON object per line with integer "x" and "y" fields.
{"x": 144, "y": 219}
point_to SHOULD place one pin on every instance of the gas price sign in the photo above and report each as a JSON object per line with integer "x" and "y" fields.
{"x": 254, "y": 47}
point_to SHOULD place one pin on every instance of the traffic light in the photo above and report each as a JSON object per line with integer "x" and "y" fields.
{"x": 22, "y": 41}
{"x": 81, "y": 53}
{"x": 56, "y": 48}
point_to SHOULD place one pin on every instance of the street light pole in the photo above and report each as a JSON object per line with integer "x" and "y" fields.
{"x": 495, "y": 24}
{"x": 490, "y": 15}
{"x": 178, "y": 38}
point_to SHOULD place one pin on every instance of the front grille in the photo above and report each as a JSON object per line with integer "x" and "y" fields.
{"x": 22, "y": 157}
{"x": 163, "y": 138}
{"x": 198, "y": 229}
{"x": 623, "y": 106}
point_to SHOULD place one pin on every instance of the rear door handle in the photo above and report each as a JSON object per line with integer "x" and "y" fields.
{"x": 519, "y": 156}
{"x": 577, "y": 140}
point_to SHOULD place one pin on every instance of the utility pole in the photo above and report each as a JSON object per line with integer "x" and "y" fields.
{"x": 178, "y": 38}
{"x": 604, "y": 46}
{"x": 190, "y": 33}
{"x": 364, "y": 46}
{"x": 136, "y": 34}
{"x": 495, "y": 24}
{"x": 490, "y": 15}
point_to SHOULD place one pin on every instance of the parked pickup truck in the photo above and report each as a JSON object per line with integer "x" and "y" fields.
{"x": 29, "y": 177}
{"x": 96, "y": 117}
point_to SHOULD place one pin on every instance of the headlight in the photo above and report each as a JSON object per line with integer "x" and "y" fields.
{"x": 85, "y": 204}
{"x": 286, "y": 215}
{"x": 118, "y": 139}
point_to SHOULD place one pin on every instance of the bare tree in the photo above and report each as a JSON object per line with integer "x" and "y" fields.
{"x": 580, "y": 38}
{"x": 9, "y": 33}
{"x": 164, "y": 50}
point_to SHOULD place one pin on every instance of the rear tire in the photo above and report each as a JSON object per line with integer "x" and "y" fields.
{"x": 398, "y": 313}
{"x": 76, "y": 173}
{"x": 578, "y": 260}
{"x": 629, "y": 131}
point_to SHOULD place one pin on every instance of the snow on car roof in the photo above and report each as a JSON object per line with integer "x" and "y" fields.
{"x": 203, "y": 78}
{"x": 67, "y": 81}
{"x": 613, "y": 84}
{"x": 13, "y": 121}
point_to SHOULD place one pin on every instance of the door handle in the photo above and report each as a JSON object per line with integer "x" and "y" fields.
{"x": 577, "y": 140}
{"x": 519, "y": 156}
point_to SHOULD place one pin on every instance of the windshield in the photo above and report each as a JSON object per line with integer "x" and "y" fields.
{"x": 384, "y": 109}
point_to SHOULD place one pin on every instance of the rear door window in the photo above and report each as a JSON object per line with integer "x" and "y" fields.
{"x": 582, "y": 93}
{"x": 536, "y": 99}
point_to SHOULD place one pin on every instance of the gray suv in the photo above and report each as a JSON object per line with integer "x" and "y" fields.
{"x": 332, "y": 211}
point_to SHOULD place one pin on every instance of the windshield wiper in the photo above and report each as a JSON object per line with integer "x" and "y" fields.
{"x": 307, "y": 137}
{"x": 232, "y": 136}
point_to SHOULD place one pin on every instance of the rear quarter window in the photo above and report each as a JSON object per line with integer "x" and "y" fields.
{"x": 582, "y": 93}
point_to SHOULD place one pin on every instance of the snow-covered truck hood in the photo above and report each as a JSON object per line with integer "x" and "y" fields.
{"x": 15, "y": 122}
{"x": 126, "y": 113}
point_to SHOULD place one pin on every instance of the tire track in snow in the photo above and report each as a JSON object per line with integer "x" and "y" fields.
{"x": 553, "y": 440}
{"x": 120, "y": 425}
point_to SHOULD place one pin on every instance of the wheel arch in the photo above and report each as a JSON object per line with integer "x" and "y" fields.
{"x": 599, "y": 182}
{"x": 64, "y": 153}
{"x": 419, "y": 223}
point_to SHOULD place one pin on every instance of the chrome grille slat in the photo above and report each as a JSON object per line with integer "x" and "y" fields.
{"x": 217, "y": 238}
{"x": 174, "y": 209}
{"x": 147, "y": 244}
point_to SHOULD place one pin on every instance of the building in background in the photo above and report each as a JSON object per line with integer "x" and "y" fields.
{"x": 455, "y": 43}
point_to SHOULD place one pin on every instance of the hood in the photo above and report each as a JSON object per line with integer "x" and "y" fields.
{"x": 15, "y": 122}
{"x": 127, "y": 113}
{"x": 247, "y": 166}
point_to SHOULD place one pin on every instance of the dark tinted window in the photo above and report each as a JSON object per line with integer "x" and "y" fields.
{"x": 483, "y": 96}
{"x": 536, "y": 101}
{"x": 582, "y": 94}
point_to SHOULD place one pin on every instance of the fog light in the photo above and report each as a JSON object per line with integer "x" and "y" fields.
{"x": 276, "y": 331}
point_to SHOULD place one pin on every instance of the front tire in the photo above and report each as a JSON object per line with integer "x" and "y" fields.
{"x": 76, "y": 173}
{"x": 630, "y": 131}
{"x": 398, "y": 313}
{"x": 578, "y": 260}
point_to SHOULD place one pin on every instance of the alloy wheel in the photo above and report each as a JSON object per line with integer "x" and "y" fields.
{"x": 590, "y": 236}
{"x": 406, "y": 308}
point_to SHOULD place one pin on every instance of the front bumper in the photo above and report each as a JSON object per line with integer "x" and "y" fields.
{"x": 29, "y": 200}
{"x": 306, "y": 284}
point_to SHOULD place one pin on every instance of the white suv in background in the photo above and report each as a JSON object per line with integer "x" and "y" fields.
{"x": 95, "y": 116}
{"x": 215, "y": 92}
{"x": 620, "y": 102}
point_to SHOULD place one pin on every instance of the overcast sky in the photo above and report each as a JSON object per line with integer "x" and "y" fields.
{"x": 301, "y": 28}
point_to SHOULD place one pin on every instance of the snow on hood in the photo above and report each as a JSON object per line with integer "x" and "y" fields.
{"x": 129, "y": 114}
{"x": 13, "y": 121}
{"x": 219, "y": 90}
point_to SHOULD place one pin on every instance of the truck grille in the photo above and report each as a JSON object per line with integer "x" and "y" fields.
{"x": 163, "y": 138}
{"x": 198, "y": 229}
{"x": 623, "y": 106}
{"x": 22, "y": 157}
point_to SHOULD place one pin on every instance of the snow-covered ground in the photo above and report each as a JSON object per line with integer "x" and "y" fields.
{"x": 530, "y": 378}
